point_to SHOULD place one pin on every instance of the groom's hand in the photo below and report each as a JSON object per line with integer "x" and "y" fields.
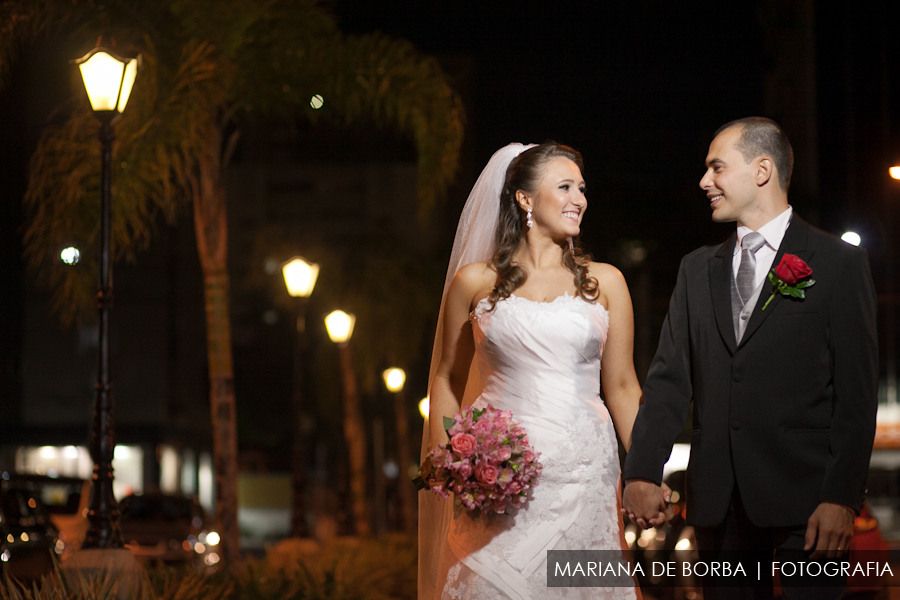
{"x": 829, "y": 530}
{"x": 645, "y": 503}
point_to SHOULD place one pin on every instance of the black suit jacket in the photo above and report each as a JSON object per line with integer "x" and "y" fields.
{"x": 787, "y": 415}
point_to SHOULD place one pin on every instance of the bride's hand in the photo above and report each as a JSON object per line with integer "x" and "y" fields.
{"x": 667, "y": 492}
{"x": 667, "y": 497}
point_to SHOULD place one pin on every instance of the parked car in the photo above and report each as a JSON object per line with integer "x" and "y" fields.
{"x": 28, "y": 540}
{"x": 168, "y": 528}
{"x": 66, "y": 501}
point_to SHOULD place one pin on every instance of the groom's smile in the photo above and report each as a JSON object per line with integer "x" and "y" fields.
{"x": 729, "y": 179}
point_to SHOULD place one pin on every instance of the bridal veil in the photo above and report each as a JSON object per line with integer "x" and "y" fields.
{"x": 474, "y": 242}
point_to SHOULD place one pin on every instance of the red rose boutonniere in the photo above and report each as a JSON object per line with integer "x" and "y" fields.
{"x": 787, "y": 276}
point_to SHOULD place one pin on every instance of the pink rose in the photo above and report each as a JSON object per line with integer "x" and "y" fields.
{"x": 503, "y": 453}
{"x": 465, "y": 470}
{"x": 463, "y": 444}
{"x": 529, "y": 455}
{"x": 486, "y": 474}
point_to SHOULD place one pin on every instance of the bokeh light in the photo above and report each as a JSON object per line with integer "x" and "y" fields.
{"x": 851, "y": 237}
{"x": 70, "y": 255}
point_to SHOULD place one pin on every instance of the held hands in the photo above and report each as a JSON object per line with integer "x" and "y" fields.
{"x": 829, "y": 530}
{"x": 646, "y": 503}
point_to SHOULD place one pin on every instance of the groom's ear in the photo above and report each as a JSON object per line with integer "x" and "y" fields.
{"x": 765, "y": 170}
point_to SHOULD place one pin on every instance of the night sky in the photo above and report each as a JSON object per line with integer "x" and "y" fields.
{"x": 637, "y": 87}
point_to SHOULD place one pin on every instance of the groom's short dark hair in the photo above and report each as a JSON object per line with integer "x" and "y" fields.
{"x": 761, "y": 136}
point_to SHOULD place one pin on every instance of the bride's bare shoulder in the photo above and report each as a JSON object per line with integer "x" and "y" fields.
{"x": 609, "y": 279}
{"x": 477, "y": 274}
{"x": 606, "y": 273}
{"x": 474, "y": 280}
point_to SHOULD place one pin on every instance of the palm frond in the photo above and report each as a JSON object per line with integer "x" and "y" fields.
{"x": 203, "y": 61}
{"x": 373, "y": 79}
{"x": 386, "y": 80}
{"x": 158, "y": 140}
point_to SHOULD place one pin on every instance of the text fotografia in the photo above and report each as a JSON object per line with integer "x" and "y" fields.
{"x": 593, "y": 568}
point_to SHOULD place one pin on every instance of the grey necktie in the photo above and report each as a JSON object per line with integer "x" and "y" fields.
{"x": 746, "y": 275}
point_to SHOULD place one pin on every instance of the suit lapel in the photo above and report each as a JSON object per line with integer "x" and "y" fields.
{"x": 720, "y": 275}
{"x": 794, "y": 242}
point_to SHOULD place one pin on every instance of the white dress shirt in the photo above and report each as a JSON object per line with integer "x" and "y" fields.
{"x": 773, "y": 232}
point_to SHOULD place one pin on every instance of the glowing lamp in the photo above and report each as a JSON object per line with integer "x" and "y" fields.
{"x": 108, "y": 79}
{"x": 340, "y": 326}
{"x": 394, "y": 379}
{"x": 300, "y": 277}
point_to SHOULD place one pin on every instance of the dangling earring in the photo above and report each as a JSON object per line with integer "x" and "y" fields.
{"x": 528, "y": 220}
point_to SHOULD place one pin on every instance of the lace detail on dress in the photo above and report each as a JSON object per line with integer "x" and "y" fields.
{"x": 518, "y": 303}
{"x": 541, "y": 360}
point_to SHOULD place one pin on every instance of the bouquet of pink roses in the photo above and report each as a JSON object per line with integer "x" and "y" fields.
{"x": 488, "y": 463}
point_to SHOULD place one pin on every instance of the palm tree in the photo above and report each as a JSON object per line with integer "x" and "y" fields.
{"x": 208, "y": 65}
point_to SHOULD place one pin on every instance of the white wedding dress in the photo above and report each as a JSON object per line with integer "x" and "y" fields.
{"x": 541, "y": 360}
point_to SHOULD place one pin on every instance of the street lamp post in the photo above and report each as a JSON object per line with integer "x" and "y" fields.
{"x": 108, "y": 79}
{"x": 340, "y": 329}
{"x": 890, "y": 323}
{"x": 394, "y": 381}
{"x": 300, "y": 279}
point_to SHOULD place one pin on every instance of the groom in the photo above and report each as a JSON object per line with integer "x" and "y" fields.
{"x": 784, "y": 387}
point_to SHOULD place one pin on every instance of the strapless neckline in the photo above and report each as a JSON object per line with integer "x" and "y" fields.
{"x": 519, "y": 302}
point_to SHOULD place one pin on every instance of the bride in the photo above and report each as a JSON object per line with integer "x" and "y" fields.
{"x": 544, "y": 325}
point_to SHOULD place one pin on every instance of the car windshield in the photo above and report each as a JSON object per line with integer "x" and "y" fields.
{"x": 61, "y": 497}
{"x": 156, "y": 508}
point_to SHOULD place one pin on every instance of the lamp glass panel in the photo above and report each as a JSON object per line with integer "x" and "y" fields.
{"x": 127, "y": 83}
{"x": 102, "y": 75}
{"x": 340, "y": 326}
{"x": 394, "y": 379}
{"x": 300, "y": 277}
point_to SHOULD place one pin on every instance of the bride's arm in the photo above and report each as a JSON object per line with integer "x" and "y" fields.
{"x": 620, "y": 383}
{"x": 456, "y": 350}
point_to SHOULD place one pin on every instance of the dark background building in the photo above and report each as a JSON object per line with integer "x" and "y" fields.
{"x": 638, "y": 87}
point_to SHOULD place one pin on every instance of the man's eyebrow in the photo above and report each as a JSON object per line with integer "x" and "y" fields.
{"x": 715, "y": 162}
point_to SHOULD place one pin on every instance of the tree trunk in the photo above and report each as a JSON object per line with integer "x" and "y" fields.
{"x": 211, "y": 225}
{"x": 407, "y": 493}
{"x": 355, "y": 434}
{"x": 298, "y": 443}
